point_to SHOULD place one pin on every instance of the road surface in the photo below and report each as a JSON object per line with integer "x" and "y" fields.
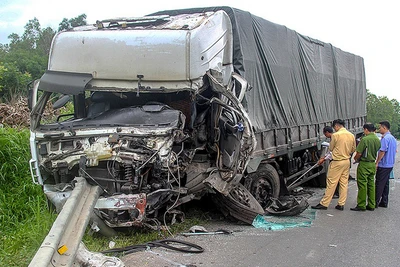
{"x": 335, "y": 238}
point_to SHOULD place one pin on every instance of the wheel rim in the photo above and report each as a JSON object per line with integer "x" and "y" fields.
{"x": 262, "y": 191}
{"x": 241, "y": 196}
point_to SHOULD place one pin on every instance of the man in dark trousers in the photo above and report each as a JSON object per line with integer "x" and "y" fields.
{"x": 342, "y": 145}
{"x": 384, "y": 164}
{"x": 366, "y": 153}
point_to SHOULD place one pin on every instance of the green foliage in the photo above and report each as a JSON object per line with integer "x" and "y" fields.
{"x": 12, "y": 81}
{"x": 381, "y": 108}
{"x": 29, "y": 53}
{"x": 24, "y": 217}
{"x": 32, "y": 32}
{"x": 14, "y": 156}
{"x": 44, "y": 42}
{"x": 67, "y": 24}
{"x": 27, "y": 56}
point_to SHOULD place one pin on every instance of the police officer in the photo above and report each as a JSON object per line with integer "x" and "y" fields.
{"x": 342, "y": 145}
{"x": 366, "y": 153}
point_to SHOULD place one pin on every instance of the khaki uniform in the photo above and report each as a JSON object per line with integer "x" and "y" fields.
{"x": 342, "y": 145}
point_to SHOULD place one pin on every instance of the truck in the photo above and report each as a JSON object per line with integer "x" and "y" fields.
{"x": 167, "y": 108}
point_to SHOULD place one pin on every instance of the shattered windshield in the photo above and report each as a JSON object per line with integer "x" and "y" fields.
{"x": 130, "y": 116}
{"x": 109, "y": 109}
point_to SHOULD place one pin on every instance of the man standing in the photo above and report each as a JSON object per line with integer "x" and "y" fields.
{"x": 328, "y": 131}
{"x": 366, "y": 153}
{"x": 342, "y": 145}
{"x": 384, "y": 164}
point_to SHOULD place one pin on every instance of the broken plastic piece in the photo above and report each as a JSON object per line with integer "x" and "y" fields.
{"x": 197, "y": 228}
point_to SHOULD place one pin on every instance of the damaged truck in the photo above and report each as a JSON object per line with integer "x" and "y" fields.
{"x": 179, "y": 104}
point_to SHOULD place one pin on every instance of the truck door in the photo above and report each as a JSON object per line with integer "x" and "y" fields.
{"x": 236, "y": 138}
{"x": 231, "y": 132}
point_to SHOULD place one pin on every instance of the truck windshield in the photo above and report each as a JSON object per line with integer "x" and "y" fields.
{"x": 106, "y": 109}
{"x": 130, "y": 116}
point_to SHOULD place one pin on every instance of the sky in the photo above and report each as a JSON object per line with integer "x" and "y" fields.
{"x": 366, "y": 28}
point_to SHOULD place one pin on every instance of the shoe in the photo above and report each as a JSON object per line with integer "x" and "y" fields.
{"x": 357, "y": 208}
{"x": 335, "y": 196}
{"x": 370, "y": 209}
{"x": 319, "y": 207}
{"x": 382, "y": 205}
{"x": 338, "y": 207}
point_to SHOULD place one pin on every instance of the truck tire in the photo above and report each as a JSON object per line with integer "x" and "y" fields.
{"x": 264, "y": 184}
{"x": 239, "y": 204}
{"x": 320, "y": 180}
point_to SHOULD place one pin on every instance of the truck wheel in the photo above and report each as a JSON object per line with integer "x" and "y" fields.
{"x": 320, "y": 180}
{"x": 239, "y": 204}
{"x": 264, "y": 184}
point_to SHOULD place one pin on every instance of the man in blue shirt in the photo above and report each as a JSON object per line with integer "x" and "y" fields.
{"x": 384, "y": 164}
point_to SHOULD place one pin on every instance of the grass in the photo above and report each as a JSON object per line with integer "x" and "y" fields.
{"x": 25, "y": 219}
{"x": 133, "y": 236}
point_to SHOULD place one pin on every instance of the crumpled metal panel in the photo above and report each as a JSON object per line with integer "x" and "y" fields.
{"x": 134, "y": 206}
{"x": 181, "y": 53}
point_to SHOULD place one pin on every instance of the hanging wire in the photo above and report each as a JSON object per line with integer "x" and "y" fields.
{"x": 179, "y": 188}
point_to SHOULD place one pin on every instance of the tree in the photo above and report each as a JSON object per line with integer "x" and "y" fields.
{"x": 28, "y": 52}
{"x": 381, "y": 108}
{"x": 395, "y": 123}
{"x": 44, "y": 42}
{"x": 67, "y": 24}
{"x": 25, "y": 58}
{"x": 12, "y": 81}
{"x": 32, "y": 33}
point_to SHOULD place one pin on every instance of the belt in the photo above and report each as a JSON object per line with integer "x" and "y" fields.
{"x": 339, "y": 159}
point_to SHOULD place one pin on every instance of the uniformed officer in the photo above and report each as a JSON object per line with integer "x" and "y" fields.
{"x": 342, "y": 145}
{"x": 366, "y": 153}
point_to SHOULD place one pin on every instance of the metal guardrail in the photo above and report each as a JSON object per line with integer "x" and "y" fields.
{"x": 61, "y": 245}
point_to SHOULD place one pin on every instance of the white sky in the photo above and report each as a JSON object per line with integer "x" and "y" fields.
{"x": 366, "y": 28}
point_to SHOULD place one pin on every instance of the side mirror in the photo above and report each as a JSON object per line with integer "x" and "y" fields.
{"x": 30, "y": 96}
{"x": 62, "y": 101}
{"x": 32, "y": 93}
{"x": 244, "y": 86}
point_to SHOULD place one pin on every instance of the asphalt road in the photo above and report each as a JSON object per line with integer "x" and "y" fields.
{"x": 335, "y": 238}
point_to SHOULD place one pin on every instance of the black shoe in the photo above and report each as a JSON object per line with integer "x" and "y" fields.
{"x": 382, "y": 205}
{"x": 319, "y": 207}
{"x": 357, "y": 208}
{"x": 335, "y": 196}
{"x": 370, "y": 209}
{"x": 338, "y": 207}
